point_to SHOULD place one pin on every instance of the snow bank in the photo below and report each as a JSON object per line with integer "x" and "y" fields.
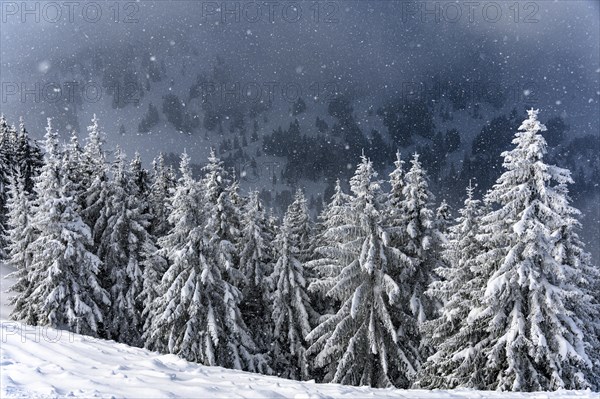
{"x": 48, "y": 363}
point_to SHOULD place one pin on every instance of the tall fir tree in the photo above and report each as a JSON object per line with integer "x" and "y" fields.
{"x": 197, "y": 315}
{"x": 329, "y": 253}
{"x": 121, "y": 250}
{"x": 65, "y": 292}
{"x": 256, "y": 264}
{"x": 395, "y": 212}
{"x": 292, "y": 310}
{"x": 532, "y": 316}
{"x": 161, "y": 189}
{"x": 94, "y": 182}
{"x": 72, "y": 163}
{"x": 6, "y": 167}
{"x": 582, "y": 277}
{"x": 20, "y": 235}
{"x": 418, "y": 237}
{"x": 458, "y": 290}
{"x": 28, "y": 156}
{"x": 363, "y": 343}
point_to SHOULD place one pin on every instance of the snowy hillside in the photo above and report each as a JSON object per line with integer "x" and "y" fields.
{"x": 47, "y": 363}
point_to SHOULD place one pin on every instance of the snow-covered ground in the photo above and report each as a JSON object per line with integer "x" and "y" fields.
{"x": 47, "y": 363}
{"x": 38, "y": 362}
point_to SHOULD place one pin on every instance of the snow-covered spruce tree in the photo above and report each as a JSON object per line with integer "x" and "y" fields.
{"x": 121, "y": 251}
{"x": 196, "y": 315}
{"x": 394, "y": 212}
{"x": 300, "y": 225}
{"x": 20, "y": 235}
{"x": 449, "y": 335}
{"x": 222, "y": 237}
{"x": 360, "y": 344}
{"x": 65, "y": 289}
{"x": 6, "y": 169}
{"x": 329, "y": 254}
{"x": 94, "y": 182}
{"x": 161, "y": 189}
{"x": 72, "y": 164}
{"x": 443, "y": 218}
{"x": 292, "y": 310}
{"x": 168, "y": 318}
{"x": 256, "y": 258}
{"x": 28, "y": 156}
{"x": 141, "y": 182}
{"x": 583, "y": 277}
{"x": 533, "y": 311}
{"x": 154, "y": 264}
{"x": 222, "y": 218}
{"x": 418, "y": 240}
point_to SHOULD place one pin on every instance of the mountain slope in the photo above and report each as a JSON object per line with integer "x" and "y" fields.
{"x": 47, "y": 363}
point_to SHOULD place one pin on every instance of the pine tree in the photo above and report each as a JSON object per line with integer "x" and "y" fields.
{"x": 65, "y": 289}
{"x": 20, "y": 235}
{"x": 72, "y": 162}
{"x": 361, "y": 344}
{"x": 417, "y": 242}
{"x": 222, "y": 218}
{"x": 121, "y": 250}
{"x": 94, "y": 182}
{"x": 395, "y": 211}
{"x": 197, "y": 315}
{"x": 139, "y": 177}
{"x": 291, "y": 305}
{"x": 533, "y": 311}
{"x": 329, "y": 253}
{"x": 458, "y": 291}
{"x": 6, "y": 167}
{"x": 161, "y": 189}
{"x": 256, "y": 259}
{"x": 583, "y": 279}
{"x": 28, "y": 156}
{"x": 301, "y": 225}
{"x": 181, "y": 247}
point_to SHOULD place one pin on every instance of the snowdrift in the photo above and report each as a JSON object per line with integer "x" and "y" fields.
{"x": 40, "y": 362}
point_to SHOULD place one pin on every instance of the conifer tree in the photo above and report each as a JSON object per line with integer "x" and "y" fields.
{"x": 20, "y": 235}
{"x": 292, "y": 310}
{"x": 395, "y": 213}
{"x": 63, "y": 274}
{"x": 197, "y": 315}
{"x": 417, "y": 242}
{"x": 161, "y": 188}
{"x": 301, "y": 225}
{"x": 28, "y": 156}
{"x": 256, "y": 259}
{"x": 330, "y": 255}
{"x": 458, "y": 290}
{"x": 534, "y": 310}
{"x": 121, "y": 250}
{"x": 362, "y": 344}
{"x": 94, "y": 182}
{"x": 72, "y": 162}
{"x": 6, "y": 167}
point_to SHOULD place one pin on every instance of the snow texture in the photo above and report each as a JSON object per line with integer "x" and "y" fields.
{"x": 48, "y": 363}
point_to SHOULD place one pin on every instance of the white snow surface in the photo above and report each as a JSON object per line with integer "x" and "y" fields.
{"x": 47, "y": 363}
